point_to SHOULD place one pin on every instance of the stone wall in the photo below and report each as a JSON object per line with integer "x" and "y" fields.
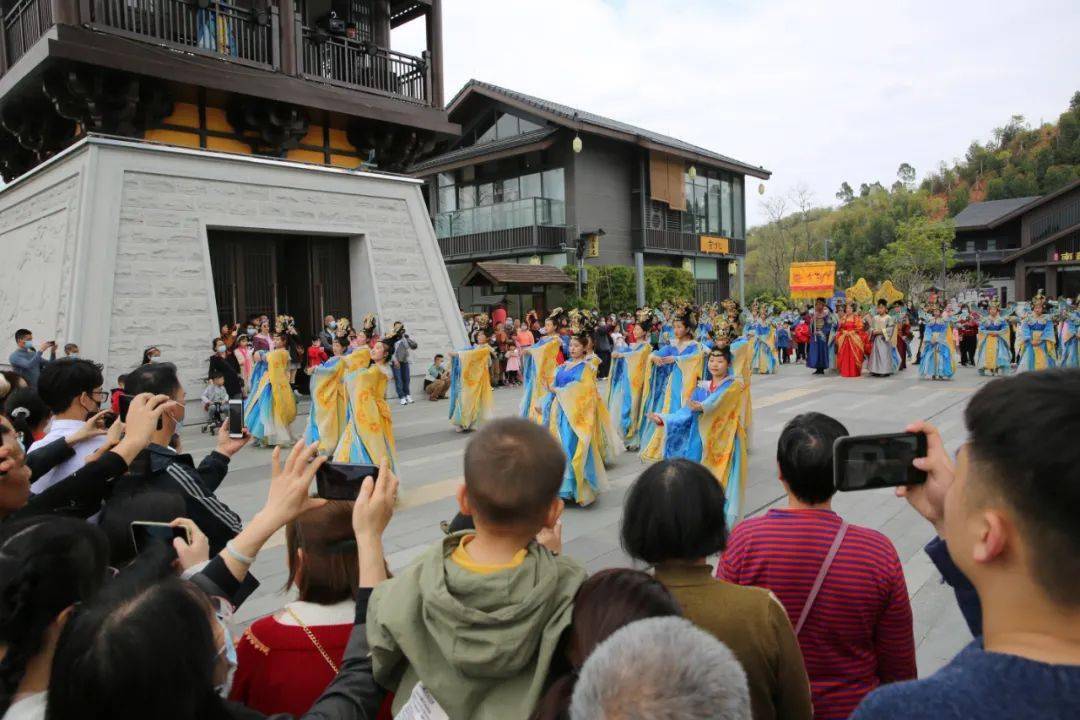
{"x": 38, "y": 237}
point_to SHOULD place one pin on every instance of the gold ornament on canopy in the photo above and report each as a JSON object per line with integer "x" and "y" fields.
{"x": 860, "y": 292}
{"x": 888, "y": 291}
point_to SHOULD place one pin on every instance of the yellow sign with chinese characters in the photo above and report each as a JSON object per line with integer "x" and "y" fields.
{"x": 715, "y": 244}
{"x": 812, "y": 279}
{"x": 1067, "y": 257}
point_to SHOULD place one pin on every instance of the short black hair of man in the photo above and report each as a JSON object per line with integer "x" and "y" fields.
{"x": 1023, "y": 447}
{"x": 438, "y": 355}
{"x": 513, "y": 470}
{"x": 63, "y": 380}
{"x": 153, "y": 378}
{"x": 22, "y": 333}
{"x": 805, "y": 455}
{"x": 674, "y": 511}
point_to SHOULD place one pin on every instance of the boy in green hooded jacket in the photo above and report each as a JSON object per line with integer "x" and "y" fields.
{"x": 476, "y": 619}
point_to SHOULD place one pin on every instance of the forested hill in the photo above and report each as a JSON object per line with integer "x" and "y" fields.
{"x": 1017, "y": 161}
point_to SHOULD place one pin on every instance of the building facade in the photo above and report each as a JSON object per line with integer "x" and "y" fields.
{"x": 529, "y": 177}
{"x": 1023, "y": 245}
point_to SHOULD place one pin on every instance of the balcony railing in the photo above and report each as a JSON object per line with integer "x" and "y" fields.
{"x": 492, "y": 244}
{"x": 360, "y": 64}
{"x": 969, "y": 257}
{"x": 24, "y": 25}
{"x": 210, "y": 27}
{"x": 501, "y": 216}
{"x": 688, "y": 243}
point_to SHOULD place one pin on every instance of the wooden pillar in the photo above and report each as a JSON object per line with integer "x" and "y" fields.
{"x": 435, "y": 48}
{"x": 288, "y": 38}
{"x": 65, "y": 12}
{"x": 380, "y": 23}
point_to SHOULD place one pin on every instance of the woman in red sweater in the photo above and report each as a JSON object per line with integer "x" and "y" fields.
{"x": 286, "y": 660}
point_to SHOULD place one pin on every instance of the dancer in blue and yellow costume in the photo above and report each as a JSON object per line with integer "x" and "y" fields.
{"x": 538, "y": 364}
{"x": 677, "y": 370}
{"x": 709, "y": 430}
{"x": 992, "y": 355}
{"x": 271, "y": 407}
{"x": 762, "y": 332}
{"x": 1069, "y": 356}
{"x": 938, "y": 347}
{"x": 470, "y": 384}
{"x": 369, "y": 426}
{"x": 576, "y": 415}
{"x": 329, "y": 396}
{"x": 630, "y": 381}
{"x": 1036, "y": 339}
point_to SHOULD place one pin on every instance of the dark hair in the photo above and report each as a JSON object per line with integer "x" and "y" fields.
{"x": 144, "y": 648}
{"x": 819, "y": 300}
{"x": 21, "y": 334}
{"x": 331, "y": 564}
{"x": 437, "y": 356}
{"x": 122, "y": 378}
{"x": 1034, "y": 464}
{"x": 725, "y": 351}
{"x": 214, "y": 374}
{"x": 146, "y": 354}
{"x": 513, "y": 470}
{"x": 124, "y": 508}
{"x": 674, "y": 511}
{"x": 805, "y": 455}
{"x": 883, "y": 302}
{"x": 154, "y": 378}
{"x": 69, "y": 347}
{"x": 26, "y": 411}
{"x": 63, "y": 380}
{"x": 606, "y": 602}
{"x": 47, "y": 564}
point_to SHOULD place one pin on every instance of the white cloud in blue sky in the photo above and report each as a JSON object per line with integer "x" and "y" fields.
{"x": 817, "y": 92}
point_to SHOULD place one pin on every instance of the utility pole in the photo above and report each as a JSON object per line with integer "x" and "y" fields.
{"x": 978, "y": 269}
{"x": 827, "y": 249}
{"x": 944, "y": 245}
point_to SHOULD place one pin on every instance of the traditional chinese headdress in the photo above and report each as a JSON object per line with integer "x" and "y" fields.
{"x": 483, "y": 322}
{"x": 342, "y": 325}
{"x": 557, "y": 316}
{"x": 995, "y": 302}
{"x": 687, "y": 314}
{"x": 368, "y": 324}
{"x": 284, "y": 324}
{"x": 582, "y": 324}
{"x": 645, "y": 317}
{"x": 1038, "y": 300}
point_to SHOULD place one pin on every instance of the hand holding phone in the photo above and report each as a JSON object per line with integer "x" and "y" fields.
{"x": 868, "y": 462}
{"x": 342, "y": 481}
{"x": 236, "y": 418}
{"x": 928, "y": 498}
{"x": 145, "y": 533}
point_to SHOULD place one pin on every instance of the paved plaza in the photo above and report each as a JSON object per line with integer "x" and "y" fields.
{"x": 430, "y": 466}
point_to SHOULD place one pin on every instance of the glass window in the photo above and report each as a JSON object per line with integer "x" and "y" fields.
{"x": 725, "y": 206}
{"x": 738, "y": 230}
{"x": 527, "y": 126}
{"x": 530, "y": 186}
{"x": 482, "y": 219}
{"x": 446, "y": 179}
{"x": 447, "y": 199}
{"x": 713, "y": 209}
{"x": 506, "y": 126}
{"x": 486, "y": 136}
{"x": 700, "y": 218}
{"x": 485, "y": 194}
{"x": 991, "y": 244}
{"x": 466, "y": 196}
{"x": 553, "y": 187}
{"x": 510, "y": 190}
{"x": 705, "y": 269}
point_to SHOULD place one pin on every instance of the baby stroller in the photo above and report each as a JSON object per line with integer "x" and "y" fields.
{"x": 216, "y": 415}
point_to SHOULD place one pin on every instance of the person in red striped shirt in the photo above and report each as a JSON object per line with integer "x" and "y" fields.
{"x": 856, "y": 633}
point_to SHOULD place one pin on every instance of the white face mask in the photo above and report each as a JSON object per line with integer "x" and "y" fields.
{"x": 221, "y": 348}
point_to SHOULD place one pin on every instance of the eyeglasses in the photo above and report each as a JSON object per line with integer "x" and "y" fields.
{"x": 95, "y": 393}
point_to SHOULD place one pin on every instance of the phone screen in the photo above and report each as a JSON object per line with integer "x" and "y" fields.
{"x": 236, "y": 418}
{"x": 866, "y": 462}
{"x": 143, "y": 533}
{"x": 125, "y": 403}
{"x": 342, "y": 481}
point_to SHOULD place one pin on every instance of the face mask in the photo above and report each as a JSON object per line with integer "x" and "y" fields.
{"x": 155, "y": 358}
{"x": 251, "y": 331}
{"x": 221, "y": 348}
{"x": 29, "y": 345}
{"x": 229, "y": 651}
{"x": 73, "y": 355}
{"x": 332, "y": 325}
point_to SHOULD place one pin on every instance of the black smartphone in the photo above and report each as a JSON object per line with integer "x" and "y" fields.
{"x": 144, "y": 532}
{"x": 108, "y": 419}
{"x": 867, "y": 462}
{"x": 125, "y": 403}
{"x": 341, "y": 481}
{"x": 236, "y": 418}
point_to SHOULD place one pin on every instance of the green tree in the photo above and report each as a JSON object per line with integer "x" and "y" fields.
{"x": 919, "y": 249}
{"x": 845, "y": 194}
{"x": 959, "y": 199}
{"x": 670, "y": 284}
{"x": 906, "y": 175}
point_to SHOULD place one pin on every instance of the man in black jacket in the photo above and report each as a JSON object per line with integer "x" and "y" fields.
{"x": 159, "y": 467}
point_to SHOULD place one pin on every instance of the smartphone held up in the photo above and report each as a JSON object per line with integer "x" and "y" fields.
{"x": 342, "y": 481}
{"x": 869, "y": 462}
{"x": 145, "y": 533}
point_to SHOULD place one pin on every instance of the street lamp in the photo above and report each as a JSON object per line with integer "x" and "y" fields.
{"x": 692, "y": 172}
{"x": 827, "y": 240}
{"x": 576, "y": 143}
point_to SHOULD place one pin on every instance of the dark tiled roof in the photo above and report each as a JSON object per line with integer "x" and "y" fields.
{"x": 985, "y": 214}
{"x": 588, "y": 118}
{"x": 482, "y": 149}
{"x": 504, "y": 273}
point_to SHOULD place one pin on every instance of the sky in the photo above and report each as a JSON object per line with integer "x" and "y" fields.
{"x": 817, "y": 91}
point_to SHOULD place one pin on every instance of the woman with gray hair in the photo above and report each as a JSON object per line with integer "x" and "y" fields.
{"x": 662, "y": 667}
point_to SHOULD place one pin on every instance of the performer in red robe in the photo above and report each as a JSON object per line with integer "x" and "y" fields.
{"x": 850, "y": 345}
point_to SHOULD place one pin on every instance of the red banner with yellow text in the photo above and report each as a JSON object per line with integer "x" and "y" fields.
{"x": 812, "y": 279}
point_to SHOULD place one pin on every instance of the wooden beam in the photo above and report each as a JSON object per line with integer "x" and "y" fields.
{"x": 289, "y": 28}
{"x": 380, "y": 23}
{"x": 435, "y": 49}
{"x": 65, "y": 12}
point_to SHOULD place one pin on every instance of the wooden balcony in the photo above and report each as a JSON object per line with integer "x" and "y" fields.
{"x": 364, "y": 65}
{"x": 681, "y": 243}
{"x": 256, "y": 37}
{"x": 534, "y": 239}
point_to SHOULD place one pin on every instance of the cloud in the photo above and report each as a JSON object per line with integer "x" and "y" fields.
{"x": 818, "y": 92}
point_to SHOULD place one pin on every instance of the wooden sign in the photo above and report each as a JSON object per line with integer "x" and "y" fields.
{"x": 715, "y": 244}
